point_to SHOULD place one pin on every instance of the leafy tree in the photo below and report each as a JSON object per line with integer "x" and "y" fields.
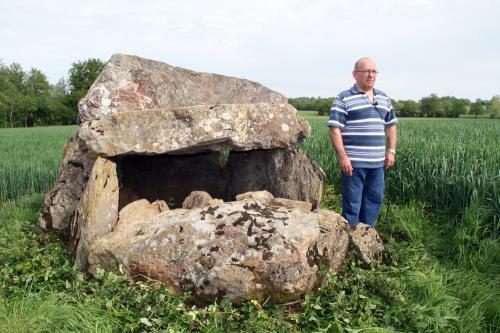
{"x": 26, "y": 98}
{"x": 11, "y": 92}
{"x": 453, "y": 107}
{"x": 3, "y": 97}
{"x": 61, "y": 113}
{"x": 493, "y": 108}
{"x": 59, "y": 90}
{"x": 431, "y": 106}
{"x": 16, "y": 76}
{"x": 37, "y": 95}
{"x": 323, "y": 105}
{"x": 477, "y": 107}
{"x": 36, "y": 83}
{"x": 407, "y": 108}
{"x": 303, "y": 103}
{"x": 80, "y": 77}
{"x": 3, "y": 113}
{"x": 459, "y": 107}
{"x": 447, "y": 104}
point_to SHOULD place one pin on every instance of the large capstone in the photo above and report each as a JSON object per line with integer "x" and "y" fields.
{"x": 133, "y": 83}
{"x": 188, "y": 130}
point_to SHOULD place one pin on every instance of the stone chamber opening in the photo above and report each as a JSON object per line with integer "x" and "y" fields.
{"x": 173, "y": 177}
{"x": 285, "y": 173}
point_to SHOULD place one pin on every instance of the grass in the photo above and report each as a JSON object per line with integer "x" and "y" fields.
{"x": 440, "y": 230}
{"x": 51, "y": 312}
{"x": 29, "y": 159}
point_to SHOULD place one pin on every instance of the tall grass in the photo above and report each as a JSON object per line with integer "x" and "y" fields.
{"x": 52, "y": 313}
{"x": 29, "y": 159}
{"x": 447, "y": 163}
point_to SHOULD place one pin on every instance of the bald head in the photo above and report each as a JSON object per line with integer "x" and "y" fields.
{"x": 360, "y": 61}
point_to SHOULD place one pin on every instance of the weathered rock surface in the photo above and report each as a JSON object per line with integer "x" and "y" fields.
{"x": 261, "y": 196}
{"x": 199, "y": 199}
{"x": 287, "y": 203}
{"x": 133, "y": 83}
{"x": 60, "y": 203}
{"x": 97, "y": 211}
{"x": 338, "y": 250}
{"x": 238, "y": 250}
{"x": 140, "y": 210}
{"x": 366, "y": 242}
{"x": 268, "y": 199}
{"x": 286, "y": 173}
{"x": 161, "y": 204}
{"x": 195, "y": 129}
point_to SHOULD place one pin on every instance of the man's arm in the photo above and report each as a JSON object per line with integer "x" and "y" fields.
{"x": 391, "y": 136}
{"x": 338, "y": 145}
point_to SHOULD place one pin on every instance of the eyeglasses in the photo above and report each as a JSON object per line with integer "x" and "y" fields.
{"x": 368, "y": 71}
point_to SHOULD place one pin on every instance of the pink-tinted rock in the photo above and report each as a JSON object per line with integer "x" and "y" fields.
{"x": 132, "y": 83}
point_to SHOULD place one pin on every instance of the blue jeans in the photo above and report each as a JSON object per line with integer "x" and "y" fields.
{"x": 362, "y": 195}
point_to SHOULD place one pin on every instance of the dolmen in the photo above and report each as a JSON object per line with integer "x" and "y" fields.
{"x": 197, "y": 180}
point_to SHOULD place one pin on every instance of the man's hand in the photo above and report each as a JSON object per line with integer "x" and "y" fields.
{"x": 345, "y": 166}
{"x": 390, "y": 159}
{"x": 338, "y": 145}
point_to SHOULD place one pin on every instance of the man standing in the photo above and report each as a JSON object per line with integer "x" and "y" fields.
{"x": 360, "y": 120}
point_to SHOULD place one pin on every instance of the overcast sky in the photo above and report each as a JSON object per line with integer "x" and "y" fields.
{"x": 297, "y": 47}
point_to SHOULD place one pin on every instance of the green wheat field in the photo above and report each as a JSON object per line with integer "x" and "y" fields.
{"x": 440, "y": 224}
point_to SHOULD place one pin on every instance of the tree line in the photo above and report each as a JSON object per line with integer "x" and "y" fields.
{"x": 430, "y": 106}
{"x": 27, "y": 98}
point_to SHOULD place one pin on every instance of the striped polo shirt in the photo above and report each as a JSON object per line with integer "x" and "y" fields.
{"x": 362, "y": 125}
